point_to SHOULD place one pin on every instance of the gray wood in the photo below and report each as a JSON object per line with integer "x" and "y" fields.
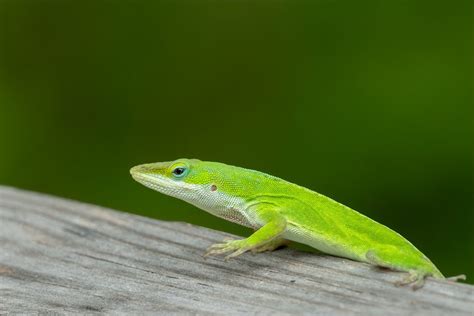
{"x": 61, "y": 256}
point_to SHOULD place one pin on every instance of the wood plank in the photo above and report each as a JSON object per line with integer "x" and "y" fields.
{"x": 62, "y": 256}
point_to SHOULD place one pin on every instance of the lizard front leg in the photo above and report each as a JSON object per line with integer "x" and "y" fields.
{"x": 275, "y": 225}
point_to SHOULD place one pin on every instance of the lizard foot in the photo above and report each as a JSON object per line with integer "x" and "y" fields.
{"x": 237, "y": 247}
{"x": 272, "y": 245}
{"x": 417, "y": 279}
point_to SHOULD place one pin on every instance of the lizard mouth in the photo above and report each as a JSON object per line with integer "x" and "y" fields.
{"x": 140, "y": 169}
{"x": 148, "y": 180}
{"x": 142, "y": 175}
{"x": 155, "y": 181}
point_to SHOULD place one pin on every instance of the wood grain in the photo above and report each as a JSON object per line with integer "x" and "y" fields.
{"x": 66, "y": 257}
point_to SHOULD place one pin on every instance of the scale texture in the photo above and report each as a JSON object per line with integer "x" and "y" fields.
{"x": 66, "y": 257}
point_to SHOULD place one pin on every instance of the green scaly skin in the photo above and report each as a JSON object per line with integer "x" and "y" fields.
{"x": 279, "y": 211}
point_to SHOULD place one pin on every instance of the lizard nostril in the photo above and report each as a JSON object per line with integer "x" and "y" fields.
{"x": 213, "y": 188}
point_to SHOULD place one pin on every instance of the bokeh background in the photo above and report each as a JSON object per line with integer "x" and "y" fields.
{"x": 368, "y": 102}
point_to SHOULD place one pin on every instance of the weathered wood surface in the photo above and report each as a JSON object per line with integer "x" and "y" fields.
{"x": 61, "y": 256}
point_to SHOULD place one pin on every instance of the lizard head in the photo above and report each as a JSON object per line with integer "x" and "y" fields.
{"x": 170, "y": 177}
{"x": 191, "y": 180}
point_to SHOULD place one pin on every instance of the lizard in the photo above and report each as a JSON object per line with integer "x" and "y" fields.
{"x": 280, "y": 211}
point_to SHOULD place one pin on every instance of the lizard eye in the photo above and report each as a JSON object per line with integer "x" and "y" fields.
{"x": 179, "y": 171}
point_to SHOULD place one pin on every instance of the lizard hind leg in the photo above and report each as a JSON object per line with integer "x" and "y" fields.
{"x": 414, "y": 277}
{"x": 417, "y": 279}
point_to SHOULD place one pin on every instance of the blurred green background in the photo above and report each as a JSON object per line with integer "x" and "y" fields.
{"x": 367, "y": 102}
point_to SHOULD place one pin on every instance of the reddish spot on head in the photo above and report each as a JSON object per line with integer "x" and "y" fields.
{"x": 213, "y": 188}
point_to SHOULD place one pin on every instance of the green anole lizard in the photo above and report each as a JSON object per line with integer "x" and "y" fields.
{"x": 279, "y": 211}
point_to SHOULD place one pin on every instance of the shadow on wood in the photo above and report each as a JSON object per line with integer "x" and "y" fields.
{"x": 63, "y": 256}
